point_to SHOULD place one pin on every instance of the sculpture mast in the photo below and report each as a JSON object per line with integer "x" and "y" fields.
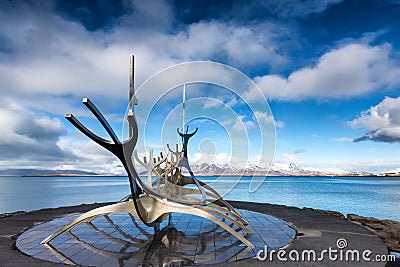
{"x": 131, "y": 81}
{"x": 183, "y": 107}
{"x": 132, "y": 98}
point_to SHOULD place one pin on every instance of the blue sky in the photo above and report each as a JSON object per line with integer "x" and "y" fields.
{"x": 330, "y": 71}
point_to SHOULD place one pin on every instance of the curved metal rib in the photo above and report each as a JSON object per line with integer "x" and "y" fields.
{"x": 101, "y": 141}
{"x": 182, "y": 180}
{"x": 101, "y": 118}
{"x": 117, "y": 207}
{"x": 183, "y": 161}
{"x": 189, "y": 191}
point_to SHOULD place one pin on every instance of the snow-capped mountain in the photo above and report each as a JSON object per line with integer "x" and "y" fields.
{"x": 276, "y": 169}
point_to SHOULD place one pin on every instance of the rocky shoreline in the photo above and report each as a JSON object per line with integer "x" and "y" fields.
{"x": 3, "y": 215}
{"x": 388, "y": 230}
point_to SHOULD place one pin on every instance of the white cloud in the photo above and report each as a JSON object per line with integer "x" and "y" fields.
{"x": 241, "y": 125}
{"x": 242, "y": 45}
{"x": 26, "y": 136}
{"x": 343, "y": 139}
{"x": 90, "y": 156}
{"x": 54, "y": 56}
{"x": 28, "y": 140}
{"x": 351, "y": 70}
{"x": 268, "y": 119}
{"x": 251, "y": 47}
{"x": 48, "y": 61}
{"x": 206, "y": 158}
{"x": 200, "y": 40}
{"x": 290, "y": 158}
{"x": 382, "y": 122}
{"x": 226, "y": 100}
{"x": 212, "y": 104}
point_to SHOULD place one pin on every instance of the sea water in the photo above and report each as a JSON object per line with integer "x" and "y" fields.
{"x": 367, "y": 196}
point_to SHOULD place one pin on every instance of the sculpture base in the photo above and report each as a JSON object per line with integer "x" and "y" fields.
{"x": 118, "y": 239}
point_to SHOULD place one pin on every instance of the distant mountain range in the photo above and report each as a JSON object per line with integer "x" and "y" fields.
{"x": 277, "y": 169}
{"x": 217, "y": 169}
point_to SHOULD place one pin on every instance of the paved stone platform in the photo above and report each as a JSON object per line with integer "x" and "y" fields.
{"x": 315, "y": 231}
{"x": 118, "y": 239}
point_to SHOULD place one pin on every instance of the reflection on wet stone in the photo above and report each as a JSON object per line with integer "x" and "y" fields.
{"x": 120, "y": 240}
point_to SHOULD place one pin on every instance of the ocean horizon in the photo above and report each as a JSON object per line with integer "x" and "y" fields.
{"x": 365, "y": 196}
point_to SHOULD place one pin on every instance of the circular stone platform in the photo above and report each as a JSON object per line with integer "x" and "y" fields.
{"x": 119, "y": 240}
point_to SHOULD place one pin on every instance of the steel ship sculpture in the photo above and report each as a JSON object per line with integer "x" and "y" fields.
{"x": 167, "y": 190}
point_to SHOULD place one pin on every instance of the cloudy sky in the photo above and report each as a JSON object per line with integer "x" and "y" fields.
{"x": 329, "y": 69}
